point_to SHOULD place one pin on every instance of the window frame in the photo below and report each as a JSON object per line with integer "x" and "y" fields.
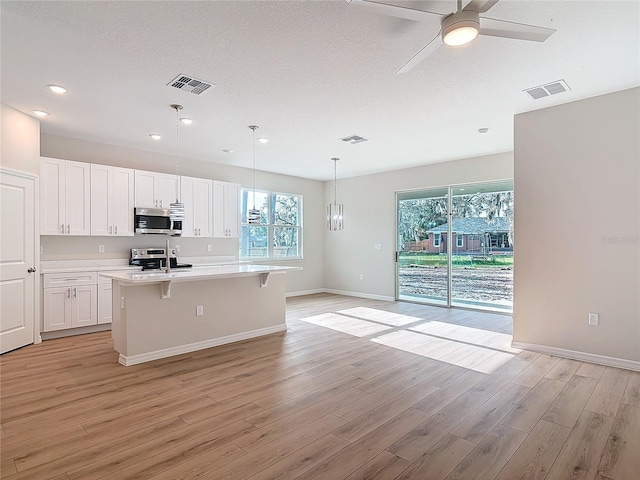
{"x": 271, "y": 226}
{"x": 459, "y": 240}
{"x": 436, "y": 239}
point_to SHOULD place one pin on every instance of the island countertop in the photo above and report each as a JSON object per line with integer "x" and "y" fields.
{"x": 196, "y": 273}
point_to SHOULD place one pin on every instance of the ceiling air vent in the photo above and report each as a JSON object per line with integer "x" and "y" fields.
{"x": 353, "y": 139}
{"x": 552, "y": 88}
{"x": 189, "y": 84}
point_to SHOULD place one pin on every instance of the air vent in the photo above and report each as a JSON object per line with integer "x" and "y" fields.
{"x": 189, "y": 84}
{"x": 353, "y": 139}
{"x": 547, "y": 90}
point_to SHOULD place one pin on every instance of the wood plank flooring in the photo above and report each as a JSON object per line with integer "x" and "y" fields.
{"x": 355, "y": 389}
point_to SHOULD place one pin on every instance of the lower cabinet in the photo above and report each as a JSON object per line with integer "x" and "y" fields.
{"x": 104, "y": 300}
{"x": 70, "y": 307}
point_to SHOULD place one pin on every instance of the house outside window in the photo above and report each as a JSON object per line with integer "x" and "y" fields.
{"x": 279, "y": 234}
{"x": 460, "y": 240}
{"x": 436, "y": 240}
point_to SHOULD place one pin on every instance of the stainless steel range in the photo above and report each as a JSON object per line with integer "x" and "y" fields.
{"x": 155, "y": 258}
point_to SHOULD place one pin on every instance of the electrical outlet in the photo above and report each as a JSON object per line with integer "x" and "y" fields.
{"x": 377, "y": 246}
{"x": 594, "y": 319}
{"x": 209, "y": 248}
{"x": 362, "y": 276}
{"x": 100, "y": 248}
{"x": 177, "y": 247}
{"x": 199, "y": 310}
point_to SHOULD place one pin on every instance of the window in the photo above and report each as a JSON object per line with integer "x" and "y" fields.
{"x": 279, "y": 234}
{"x": 436, "y": 239}
{"x": 460, "y": 240}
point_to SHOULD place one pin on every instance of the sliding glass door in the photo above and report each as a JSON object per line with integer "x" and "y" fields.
{"x": 455, "y": 246}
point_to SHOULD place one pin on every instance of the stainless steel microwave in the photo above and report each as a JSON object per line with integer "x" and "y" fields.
{"x": 156, "y": 221}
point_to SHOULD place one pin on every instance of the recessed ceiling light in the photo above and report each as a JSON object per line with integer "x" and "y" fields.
{"x": 40, "y": 113}
{"x": 483, "y": 130}
{"x": 57, "y": 89}
{"x": 155, "y": 136}
{"x": 263, "y": 140}
{"x": 227, "y": 150}
{"x": 186, "y": 121}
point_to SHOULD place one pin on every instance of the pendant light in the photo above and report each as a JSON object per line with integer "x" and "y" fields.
{"x": 253, "y": 214}
{"x": 335, "y": 209}
{"x": 176, "y": 209}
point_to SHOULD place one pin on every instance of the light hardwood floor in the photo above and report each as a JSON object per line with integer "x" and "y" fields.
{"x": 355, "y": 389}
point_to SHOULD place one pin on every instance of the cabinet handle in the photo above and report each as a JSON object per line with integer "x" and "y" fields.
{"x": 75, "y": 292}
{"x": 68, "y": 228}
{"x": 110, "y": 228}
{"x": 116, "y": 229}
{"x": 68, "y": 293}
{"x": 160, "y": 203}
{"x": 62, "y": 228}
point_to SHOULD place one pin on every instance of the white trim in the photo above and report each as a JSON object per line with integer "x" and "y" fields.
{"x": 192, "y": 347}
{"x": 18, "y": 173}
{"x": 582, "y": 356}
{"x": 300, "y": 293}
{"x": 361, "y": 295}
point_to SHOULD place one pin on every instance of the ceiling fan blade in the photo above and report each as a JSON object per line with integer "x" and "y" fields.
{"x": 427, "y": 50}
{"x": 395, "y": 11}
{"x": 519, "y": 31}
{"x": 480, "y": 6}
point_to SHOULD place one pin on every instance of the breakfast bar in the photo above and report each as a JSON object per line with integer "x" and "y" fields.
{"x": 161, "y": 314}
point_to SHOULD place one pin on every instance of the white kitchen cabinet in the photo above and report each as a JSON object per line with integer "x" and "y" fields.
{"x": 226, "y": 210}
{"x": 154, "y": 190}
{"x": 70, "y": 300}
{"x": 197, "y": 196}
{"x": 65, "y": 200}
{"x": 112, "y": 199}
{"x": 104, "y": 303}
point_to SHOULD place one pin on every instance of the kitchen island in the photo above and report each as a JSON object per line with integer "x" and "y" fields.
{"x": 159, "y": 314}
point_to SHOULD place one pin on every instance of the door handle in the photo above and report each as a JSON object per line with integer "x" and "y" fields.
{"x": 31, "y": 269}
{"x": 68, "y": 228}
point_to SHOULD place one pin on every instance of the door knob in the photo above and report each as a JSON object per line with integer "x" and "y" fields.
{"x": 31, "y": 269}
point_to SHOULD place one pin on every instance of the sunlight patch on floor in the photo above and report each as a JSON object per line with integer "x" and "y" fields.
{"x": 344, "y": 324}
{"x": 380, "y": 316}
{"x": 476, "y": 336}
{"x": 472, "y": 357}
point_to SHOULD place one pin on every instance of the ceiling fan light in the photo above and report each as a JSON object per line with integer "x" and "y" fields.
{"x": 460, "y": 28}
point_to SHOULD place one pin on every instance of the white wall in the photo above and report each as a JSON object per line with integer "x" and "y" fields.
{"x": 60, "y": 248}
{"x": 577, "y": 223}
{"x": 19, "y": 141}
{"x": 370, "y": 218}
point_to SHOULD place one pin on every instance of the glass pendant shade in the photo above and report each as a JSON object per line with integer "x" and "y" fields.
{"x": 253, "y": 216}
{"x": 335, "y": 218}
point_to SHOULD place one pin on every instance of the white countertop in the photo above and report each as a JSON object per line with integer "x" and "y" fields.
{"x": 199, "y": 273}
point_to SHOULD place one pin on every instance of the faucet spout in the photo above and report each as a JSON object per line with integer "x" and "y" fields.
{"x": 168, "y": 259}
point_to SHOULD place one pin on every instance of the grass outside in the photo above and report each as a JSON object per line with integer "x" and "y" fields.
{"x": 408, "y": 259}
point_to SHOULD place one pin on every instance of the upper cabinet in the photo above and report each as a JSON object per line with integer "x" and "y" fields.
{"x": 64, "y": 197}
{"x": 197, "y": 196}
{"x": 112, "y": 200}
{"x": 155, "y": 190}
{"x": 226, "y": 210}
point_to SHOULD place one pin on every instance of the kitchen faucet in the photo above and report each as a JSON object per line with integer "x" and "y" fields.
{"x": 168, "y": 260}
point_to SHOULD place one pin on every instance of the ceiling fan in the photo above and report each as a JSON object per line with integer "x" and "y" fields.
{"x": 458, "y": 28}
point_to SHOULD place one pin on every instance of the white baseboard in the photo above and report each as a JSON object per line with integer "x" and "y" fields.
{"x": 74, "y": 331}
{"x": 361, "y": 295}
{"x": 192, "y": 347}
{"x": 305, "y": 292}
{"x": 582, "y": 356}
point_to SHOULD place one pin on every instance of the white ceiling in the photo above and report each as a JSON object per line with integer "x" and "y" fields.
{"x": 307, "y": 72}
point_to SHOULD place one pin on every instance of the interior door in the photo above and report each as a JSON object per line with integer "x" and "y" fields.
{"x": 18, "y": 278}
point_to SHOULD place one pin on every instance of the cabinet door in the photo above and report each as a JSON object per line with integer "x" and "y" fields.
{"x": 204, "y": 207}
{"x": 77, "y": 198}
{"x": 84, "y": 305}
{"x": 104, "y": 303}
{"x": 232, "y": 209}
{"x": 57, "y": 308}
{"x": 145, "y": 189}
{"x": 167, "y": 189}
{"x": 52, "y": 196}
{"x": 218, "y": 209}
{"x": 123, "y": 202}
{"x": 101, "y": 200}
{"x": 188, "y": 197}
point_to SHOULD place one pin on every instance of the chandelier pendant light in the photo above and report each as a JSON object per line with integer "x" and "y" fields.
{"x": 335, "y": 209}
{"x": 253, "y": 214}
{"x": 176, "y": 209}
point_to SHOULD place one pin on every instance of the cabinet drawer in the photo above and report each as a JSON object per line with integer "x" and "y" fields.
{"x": 70, "y": 279}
